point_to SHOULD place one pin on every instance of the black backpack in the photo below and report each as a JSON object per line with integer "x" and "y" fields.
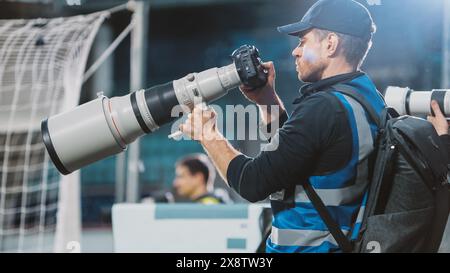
{"x": 408, "y": 200}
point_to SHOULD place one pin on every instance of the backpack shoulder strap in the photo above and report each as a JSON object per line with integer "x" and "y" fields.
{"x": 354, "y": 93}
{"x": 343, "y": 242}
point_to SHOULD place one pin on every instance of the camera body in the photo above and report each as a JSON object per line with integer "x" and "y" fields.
{"x": 248, "y": 65}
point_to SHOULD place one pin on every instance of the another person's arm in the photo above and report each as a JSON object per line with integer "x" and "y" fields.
{"x": 438, "y": 120}
{"x": 440, "y": 124}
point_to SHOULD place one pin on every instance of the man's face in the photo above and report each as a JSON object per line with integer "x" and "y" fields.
{"x": 309, "y": 57}
{"x": 185, "y": 183}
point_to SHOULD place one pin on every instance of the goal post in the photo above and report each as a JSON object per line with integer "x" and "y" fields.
{"x": 41, "y": 73}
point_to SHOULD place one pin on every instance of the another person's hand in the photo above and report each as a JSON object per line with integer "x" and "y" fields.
{"x": 439, "y": 121}
{"x": 265, "y": 95}
{"x": 200, "y": 124}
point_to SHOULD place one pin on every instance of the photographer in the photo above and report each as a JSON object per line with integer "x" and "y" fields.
{"x": 325, "y": 142}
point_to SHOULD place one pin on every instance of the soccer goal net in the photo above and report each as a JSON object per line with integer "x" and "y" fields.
{"x": 42, "y": 62}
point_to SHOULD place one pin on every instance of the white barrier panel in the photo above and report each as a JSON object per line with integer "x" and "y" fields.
{"x": 187, "y": 227}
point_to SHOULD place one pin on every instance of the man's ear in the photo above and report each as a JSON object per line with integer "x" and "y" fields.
{"x": 332, "y": 44}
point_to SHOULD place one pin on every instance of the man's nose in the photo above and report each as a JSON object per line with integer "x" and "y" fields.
{"x": 297, "y": 52}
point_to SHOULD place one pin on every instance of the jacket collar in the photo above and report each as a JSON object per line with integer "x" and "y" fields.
{"x": 310, "y": 88}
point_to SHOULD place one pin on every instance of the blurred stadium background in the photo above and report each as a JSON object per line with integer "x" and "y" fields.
{"x": 192, "y": 35}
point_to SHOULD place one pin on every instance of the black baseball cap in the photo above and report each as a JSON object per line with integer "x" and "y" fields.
{"x": 342, "y": 16}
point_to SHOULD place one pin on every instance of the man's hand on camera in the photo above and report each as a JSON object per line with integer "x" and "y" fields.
{"x": 266, "y": 95}
{"x": 439, "y": 121}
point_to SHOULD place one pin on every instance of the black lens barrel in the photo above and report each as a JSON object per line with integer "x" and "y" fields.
{"x": 438, "y": 96}
{"x": 137, "y": 114}
{"x": 160, "y": 101}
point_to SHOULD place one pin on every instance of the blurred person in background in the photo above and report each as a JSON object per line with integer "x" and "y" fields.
{"x": 194, "y": 179}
